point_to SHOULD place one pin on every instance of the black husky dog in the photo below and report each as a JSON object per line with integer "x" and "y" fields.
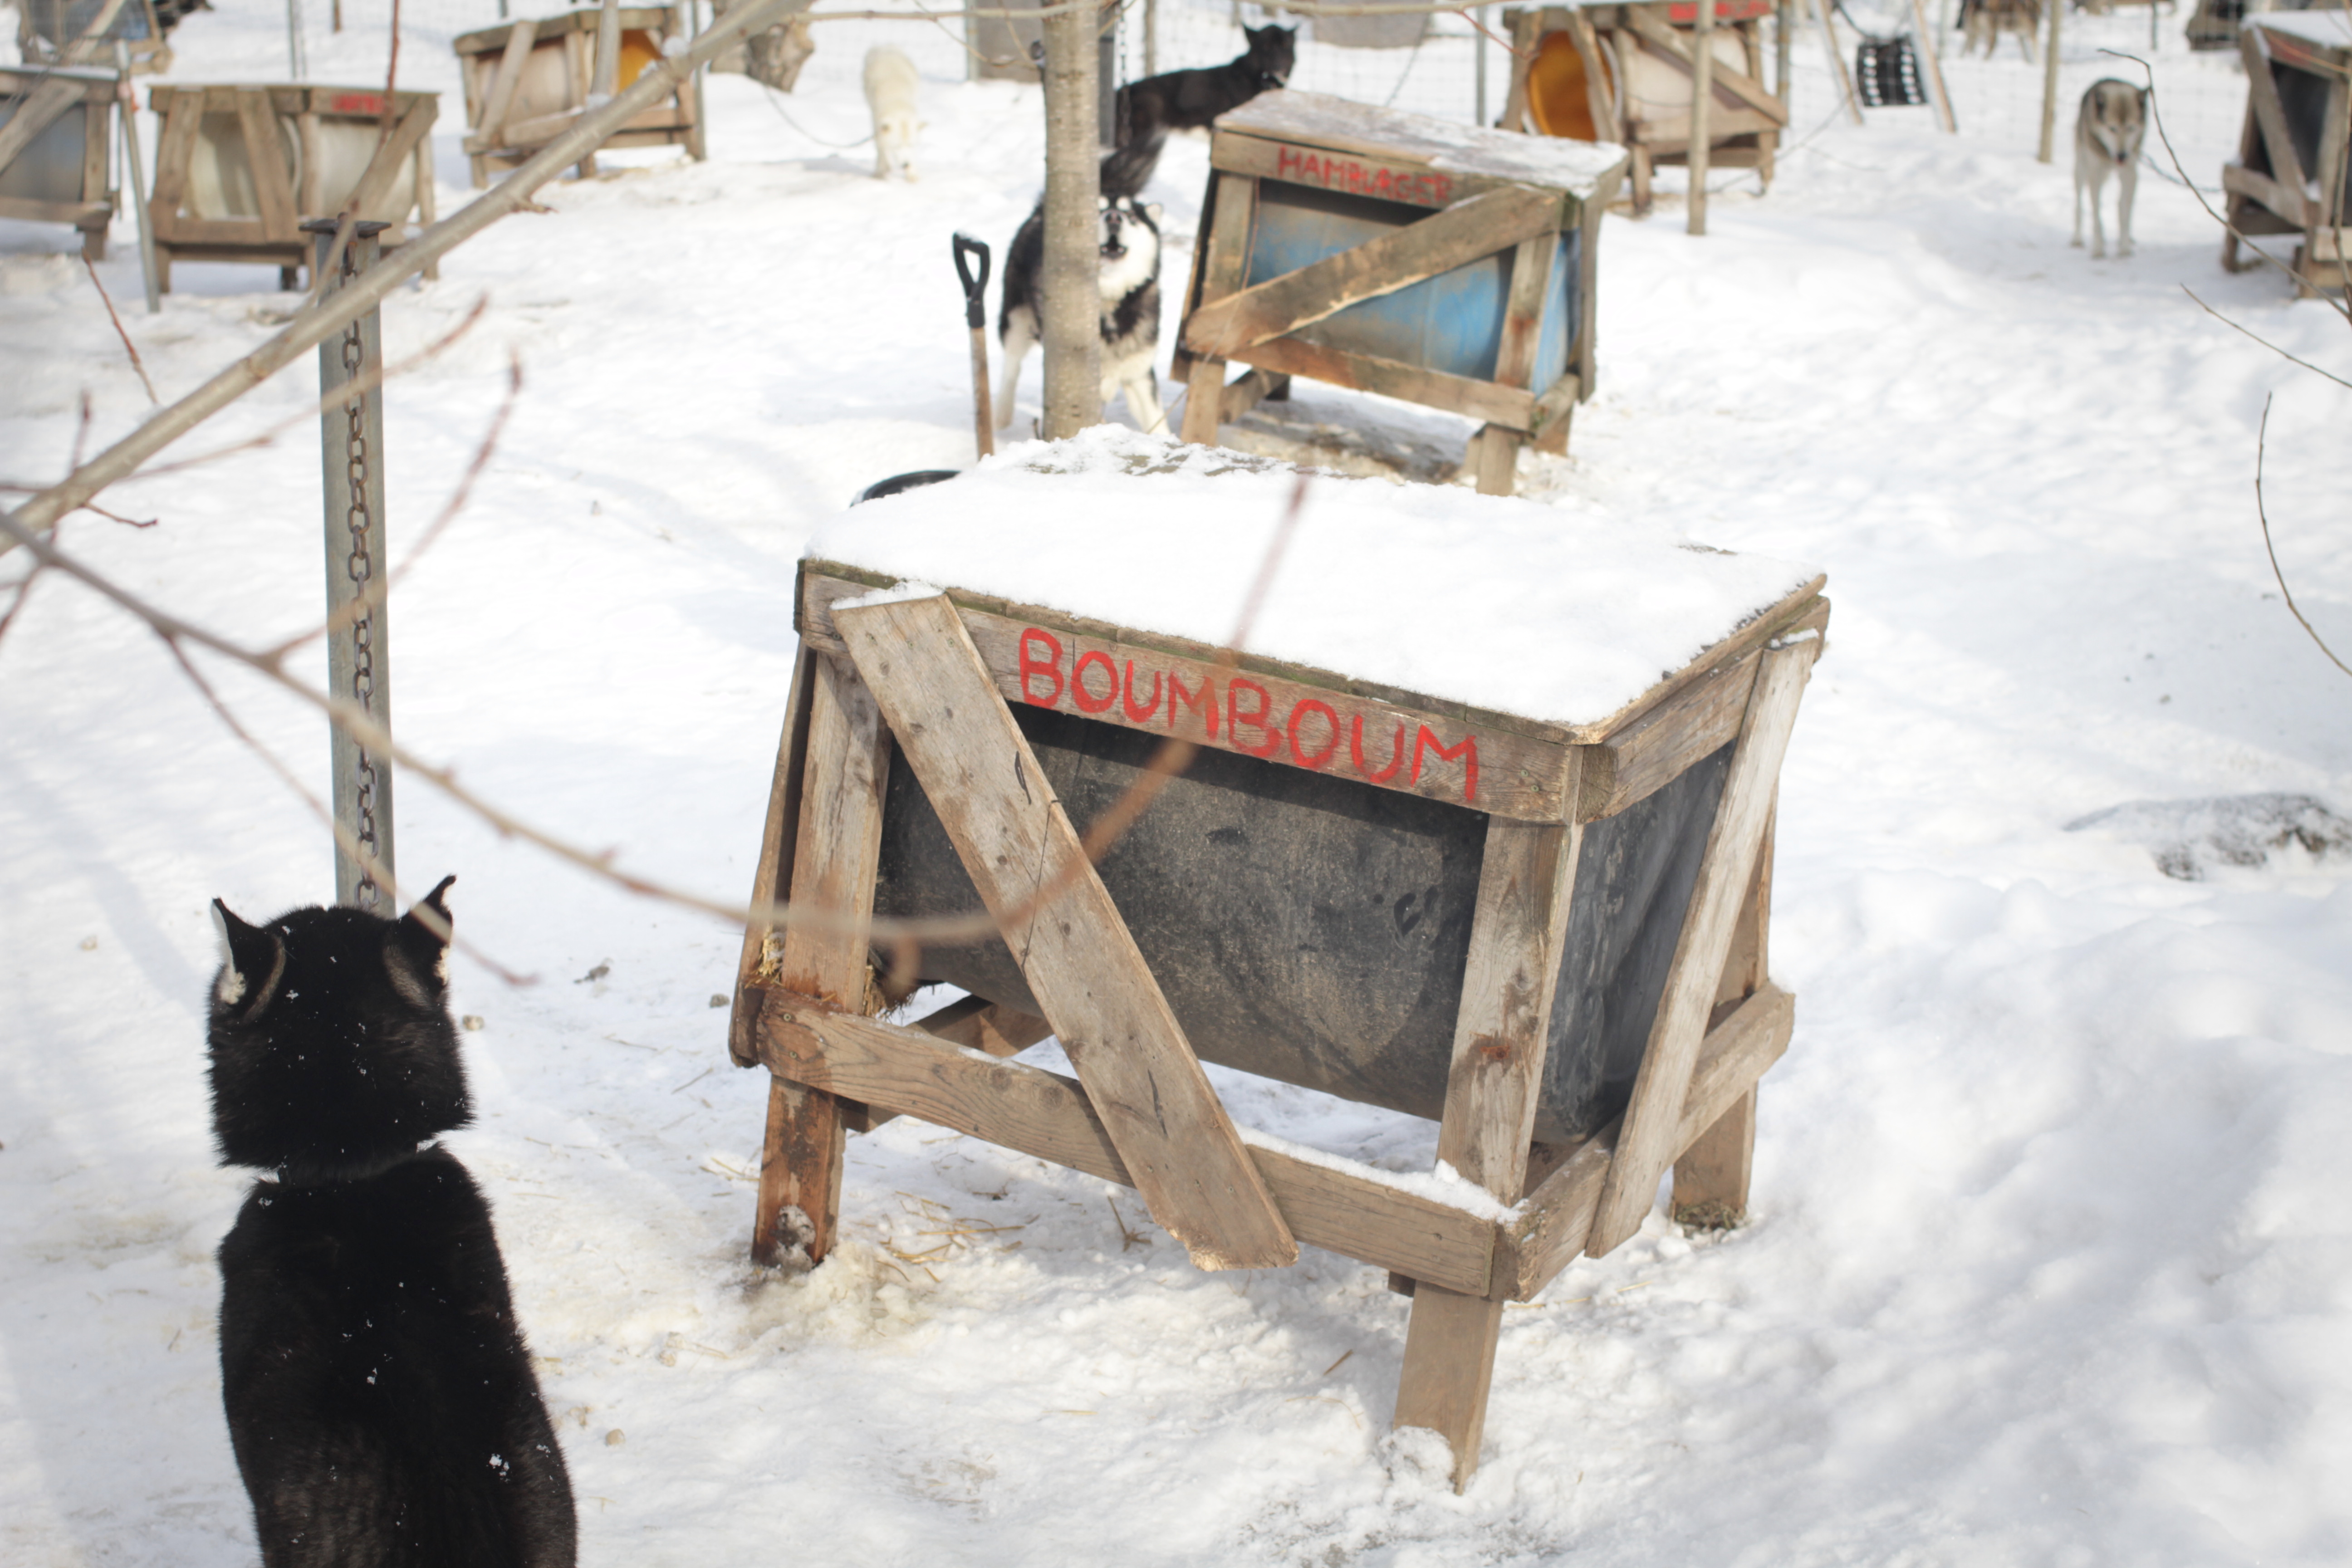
{"x": 1188, "y": 100}
{"x": 1128, "y": 283}
{"x": 380, "y": 1398}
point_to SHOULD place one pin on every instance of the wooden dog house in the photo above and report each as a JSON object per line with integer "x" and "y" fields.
{"x": 1544, "y": 936}
{"x": 2292, "y": 174}
{"x": 1626, "y": 73}
{"x": 85, "y": 32}
{"x": 237, "y": 169}
{"x": 56, "y": 152}
{"x": 527, "y": 82}
{"x": 1439, "y": 263}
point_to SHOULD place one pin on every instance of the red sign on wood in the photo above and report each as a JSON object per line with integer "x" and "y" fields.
{"x": 1318, "y": 732}
{"x": 1336, "y": 172}
{"x": 357, "y": 103}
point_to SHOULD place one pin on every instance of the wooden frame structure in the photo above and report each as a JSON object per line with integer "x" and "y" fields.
{"x": 39, "y": 44}
{"x": 1376, "y": 171}
{"x": 527, "y": 81}
{"x": 2291, "y": 173}
{"x": 1638, "y": 65}
{"x": 938, "y": 675}
{"x": 288, "y": 181}
{"x": 57, "y": 151}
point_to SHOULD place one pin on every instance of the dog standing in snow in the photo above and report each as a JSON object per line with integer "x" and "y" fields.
{"x": 2108, "y": 136}
{"x": 1128, "y": 242}
{"x": 890, "y": 94}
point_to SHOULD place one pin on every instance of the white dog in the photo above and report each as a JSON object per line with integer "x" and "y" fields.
{"x": 890, "y": 93}
{"x": 2107, "y": 137}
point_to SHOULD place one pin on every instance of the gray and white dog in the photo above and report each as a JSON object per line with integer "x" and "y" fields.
{"x": 2108, "y": 136}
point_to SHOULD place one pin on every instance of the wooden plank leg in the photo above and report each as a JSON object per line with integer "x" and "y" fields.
{"x": 800, "y": 1178}
{"x": 1711, "y": 1177}
{"x": 1494, "y": 459}
{"x": 1500, "y": 1038}
{"x": 1205, "y": 396}
{"x": 1642, "y": 171}
{"x": 1449, "y": 1368}
{"x": 837, "y": 842}
{"x": 1224, "y": 261}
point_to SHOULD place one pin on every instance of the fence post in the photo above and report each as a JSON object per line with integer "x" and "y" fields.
{"x": 359, "y": 648}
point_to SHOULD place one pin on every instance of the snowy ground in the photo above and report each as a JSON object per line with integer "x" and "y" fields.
{"x": 2048, "y": 1262}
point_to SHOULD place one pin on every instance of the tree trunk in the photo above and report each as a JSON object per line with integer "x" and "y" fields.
{"x": 1073, "y": 229}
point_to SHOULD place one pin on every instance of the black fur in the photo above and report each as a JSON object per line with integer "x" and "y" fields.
{"x": 1122, "y": 174}
{"x": 380, "y": 1399}
{"x": 1190, "y": 99}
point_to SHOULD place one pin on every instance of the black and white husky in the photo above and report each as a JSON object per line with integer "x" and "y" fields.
{"x": 1127, "y": 285}
{"x": 380, "y": 1399}
{"x": 2107, "y": 137}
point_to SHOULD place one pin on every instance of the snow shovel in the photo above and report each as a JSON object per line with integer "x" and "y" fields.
{"x": 975, "y": 315}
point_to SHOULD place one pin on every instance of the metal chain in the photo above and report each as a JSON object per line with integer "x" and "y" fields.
{"x": 361, "y": 567}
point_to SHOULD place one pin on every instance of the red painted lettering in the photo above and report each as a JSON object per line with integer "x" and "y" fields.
{"x": 1050, "y": 666}
{"x": 1467, "y": 751}
{"x": 1078, "y": 692}
{"x": 1356, "y": 752}
{"x": 1330, "y": 731}
{"x": 1127, "y": 698}
{"x": 1203, "y": 701}
{"x": 1235, "y": 718}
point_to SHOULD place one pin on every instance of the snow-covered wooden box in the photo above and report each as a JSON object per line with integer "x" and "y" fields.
{"x": 2293, "y": 174}
{"x": 239, "y": 168}
{"x": 1476, "y": 827}
{"x": 528, "y": 81}
{"x": 1396, "y": 253}
{"x": 1626, "y": 73}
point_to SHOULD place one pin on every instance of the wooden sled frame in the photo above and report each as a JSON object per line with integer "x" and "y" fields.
{"x": 1477, "y": 217}
{"x": 913, "y": 673}
{"x": 2279, "y": 201}
{"x": 276, "y": 235}
{"x": 1745, "y": 117}
{"x": 44, "y": 98}
{"x": 491, "y": 62}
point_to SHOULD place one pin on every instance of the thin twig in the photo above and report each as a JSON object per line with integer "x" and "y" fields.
{"x": 127, "y": 346}
{"x": 2234, "y": 326}
{"x": 2261, "y": 442}
{"x": 360, "y": 606}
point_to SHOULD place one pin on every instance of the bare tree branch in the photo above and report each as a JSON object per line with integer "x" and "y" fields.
{"x": 127, "y": 346}
{"x": 369, "y": 290}
{"x": 2234, "y": 326}
{"x": 2261, "y": 445}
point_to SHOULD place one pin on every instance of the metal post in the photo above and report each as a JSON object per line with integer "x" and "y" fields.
{"x": 359, "y": 645}
{"x": 1151, "y": 38}
{"x": 127, "y": 103}
{"x": 295, "y": 64}
{"x": 1782, "y": 22}
{"x": 1480, "y": 118}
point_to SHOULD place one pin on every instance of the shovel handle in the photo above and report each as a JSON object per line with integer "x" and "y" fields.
{"x": 975, "y": 311}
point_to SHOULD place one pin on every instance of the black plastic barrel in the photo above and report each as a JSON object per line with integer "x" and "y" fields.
{"x": 1313, "y": 930}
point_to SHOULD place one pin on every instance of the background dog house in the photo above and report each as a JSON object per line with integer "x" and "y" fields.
{"x": 55, "y": 150}
{"x": 1546, "y": 936}
{"x": 2292, "y": 175}
{"x": 85, "y": 32}
{"x": 527, "y": 81}
{"x": 1439, "y": 263}
{"x": 1624, "y": 73}
{"x": 238, "y": 168}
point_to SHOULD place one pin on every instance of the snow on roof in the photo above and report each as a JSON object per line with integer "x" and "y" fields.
{"x": 1316, "y": 118}
{"x": 1486, "y": 600}
{"x": 2332, "y": 29}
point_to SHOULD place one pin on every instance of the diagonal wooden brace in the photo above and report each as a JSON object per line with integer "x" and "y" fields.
{"x": 1476, "y": 227}
{"x": 1079, "y": 960}
{"x": 1648, "y": 1143}
{"x": 384, "y": 167}
{"x": 1674, "y": 47}
{"x": 36, "y": 111}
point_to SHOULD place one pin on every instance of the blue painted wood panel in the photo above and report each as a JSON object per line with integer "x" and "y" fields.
{"x": 1452, "y": 322}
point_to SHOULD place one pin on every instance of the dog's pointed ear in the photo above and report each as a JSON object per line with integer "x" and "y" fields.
{"x": 416, "y": 953}
{"x": 254, "y": 964}
{"x": 1152, "y": 211}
